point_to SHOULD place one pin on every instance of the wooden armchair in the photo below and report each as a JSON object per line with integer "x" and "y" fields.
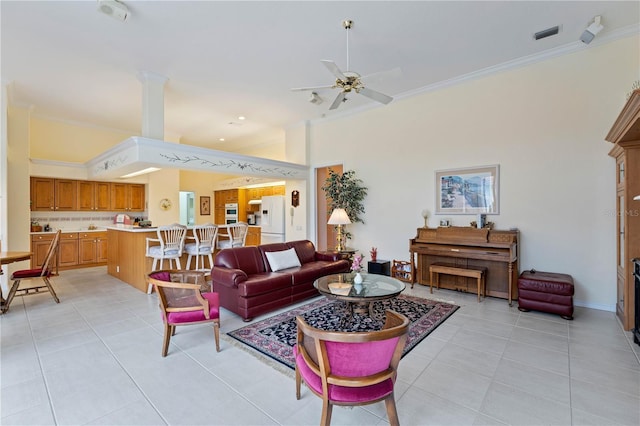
{"x": 183, "y": 303}
{"x": 351, "y": 368}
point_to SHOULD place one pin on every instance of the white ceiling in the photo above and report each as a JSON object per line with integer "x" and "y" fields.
{"x": 226, "y": 59}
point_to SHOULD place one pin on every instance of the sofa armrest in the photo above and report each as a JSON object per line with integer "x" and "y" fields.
{"x": 228, "y": 277}
{"x": 328, "y": 256}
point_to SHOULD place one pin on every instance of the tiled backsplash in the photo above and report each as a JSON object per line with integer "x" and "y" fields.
{"x": 75, "y": 221}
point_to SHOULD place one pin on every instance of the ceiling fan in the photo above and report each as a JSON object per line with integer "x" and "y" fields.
{"x": 347, "y": 81}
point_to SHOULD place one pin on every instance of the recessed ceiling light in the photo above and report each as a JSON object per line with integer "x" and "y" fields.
{"x": 242, "y": 117}
{"x": 221, "y": 139}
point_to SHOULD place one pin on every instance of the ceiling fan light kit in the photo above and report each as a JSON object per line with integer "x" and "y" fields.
{"x": 347, "y": 81}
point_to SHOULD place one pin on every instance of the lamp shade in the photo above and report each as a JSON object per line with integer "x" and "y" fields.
{"x": 339, "y": 217}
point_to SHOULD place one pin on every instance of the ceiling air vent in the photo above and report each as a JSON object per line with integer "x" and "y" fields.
{"x": 547, "y": 33}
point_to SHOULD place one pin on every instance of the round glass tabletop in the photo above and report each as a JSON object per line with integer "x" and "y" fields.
{"x": 373, "y": 286}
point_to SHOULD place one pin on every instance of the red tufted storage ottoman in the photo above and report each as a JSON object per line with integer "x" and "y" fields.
{"x": 546, "y": 292}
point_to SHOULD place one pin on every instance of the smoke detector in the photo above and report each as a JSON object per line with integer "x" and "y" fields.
{"x": 114, "y": 9}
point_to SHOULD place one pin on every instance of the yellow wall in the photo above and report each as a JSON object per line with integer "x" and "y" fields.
{"x": 61, "y": 141}
{"x": 18, "y": 184}
{"x": 201, "y": 184}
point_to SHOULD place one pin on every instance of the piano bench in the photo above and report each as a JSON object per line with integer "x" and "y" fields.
{"x": 546, "y": 292}
{"x": 477, "y": 272}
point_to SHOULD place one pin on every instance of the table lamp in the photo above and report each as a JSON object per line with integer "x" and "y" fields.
{"x": 339, "y": 217}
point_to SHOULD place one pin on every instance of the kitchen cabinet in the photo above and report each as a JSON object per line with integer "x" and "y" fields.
{"x": 49, "y": 194}
{"x": 128, "y": 197}
{"x": 279, "y": 190}
{"x": 94, "y": 196}
{"x": 39, "y": 247}
{"x": 253, "y": 236}
{"x": 68, "y": 252}
{"x": 254, "y": 194}
{"x": 92, "y": 247}
{"x": 76, "y": 249}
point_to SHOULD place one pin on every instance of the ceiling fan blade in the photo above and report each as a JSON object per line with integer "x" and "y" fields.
{"x": 339, "y": 99}
{"x": 333, "y": 68}
{"x": 376, "y": 96}
{"x": 299, "y": 89}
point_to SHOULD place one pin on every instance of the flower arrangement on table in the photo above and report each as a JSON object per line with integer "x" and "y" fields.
{"x": 356, "y": 265}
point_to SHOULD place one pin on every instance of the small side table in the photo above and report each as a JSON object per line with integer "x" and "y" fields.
{"x": 348, "y": 253}
{"x": 380, "y": 267}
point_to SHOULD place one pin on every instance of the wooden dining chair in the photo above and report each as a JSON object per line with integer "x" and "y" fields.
{"x": 43, "y": 273}
{"x": 351, "y": 368}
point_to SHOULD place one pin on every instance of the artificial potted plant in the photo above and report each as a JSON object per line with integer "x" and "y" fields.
{"x": 345, "y": 191}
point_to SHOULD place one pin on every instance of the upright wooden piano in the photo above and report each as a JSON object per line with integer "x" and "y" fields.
{"x": 466, "y": 246}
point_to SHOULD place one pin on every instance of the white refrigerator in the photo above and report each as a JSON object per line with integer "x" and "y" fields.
{"x": 272, "y": 219}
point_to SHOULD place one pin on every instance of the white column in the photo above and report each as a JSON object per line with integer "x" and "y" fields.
{"x": 152, "y": 104}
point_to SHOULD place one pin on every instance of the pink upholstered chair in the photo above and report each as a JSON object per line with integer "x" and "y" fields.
{"x": 345, "y": 368}
{"x": 43, "y": 273}
{"x": 183, "y": 303}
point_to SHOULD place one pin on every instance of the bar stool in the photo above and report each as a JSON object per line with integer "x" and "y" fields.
{"x": 205, "y": 237}
{"x": 171, "y": 239}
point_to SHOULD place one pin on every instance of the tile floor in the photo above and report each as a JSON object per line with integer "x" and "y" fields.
{"x": 95, "y": 359}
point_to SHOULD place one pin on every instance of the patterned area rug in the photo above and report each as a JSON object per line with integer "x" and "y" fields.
{"x": 276, "y": 336}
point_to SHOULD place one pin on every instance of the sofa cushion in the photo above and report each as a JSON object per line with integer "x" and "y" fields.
{"x": 285, "y": 259}
{"x": 305, "y": 249}
{"x": 265, "y": 282}
{"x": 269, "y": 248}
{"x": 309, "y": 272}
{"x": 246, "y": 258}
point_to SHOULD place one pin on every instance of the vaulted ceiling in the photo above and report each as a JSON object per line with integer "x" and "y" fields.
{"x": 225, "y": 59}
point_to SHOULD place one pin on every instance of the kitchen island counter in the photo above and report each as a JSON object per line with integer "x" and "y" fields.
{"x": 127, "y": 247}
{"x": 126, "y": 254}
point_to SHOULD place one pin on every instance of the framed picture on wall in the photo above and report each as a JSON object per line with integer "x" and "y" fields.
{"x": 205, "y": 206}
{"x": 470, "y": 190}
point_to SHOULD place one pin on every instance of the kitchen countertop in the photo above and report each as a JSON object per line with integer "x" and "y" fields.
{"x": 131, "y": 228}
{"x": 71, "y": 230}
{"x": 125, "y": 228}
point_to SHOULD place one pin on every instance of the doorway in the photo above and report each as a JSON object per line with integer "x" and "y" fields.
{"x": 326, "y": 235}
{"x": 187, "y": 208}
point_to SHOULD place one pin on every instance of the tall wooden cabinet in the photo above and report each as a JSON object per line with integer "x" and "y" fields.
{"x": 625, "y": 135}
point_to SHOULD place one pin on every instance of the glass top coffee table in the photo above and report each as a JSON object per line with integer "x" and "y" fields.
{"x": 359, "y": 298}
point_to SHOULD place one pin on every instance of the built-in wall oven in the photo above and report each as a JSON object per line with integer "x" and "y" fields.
{"x": 231, "y": 213}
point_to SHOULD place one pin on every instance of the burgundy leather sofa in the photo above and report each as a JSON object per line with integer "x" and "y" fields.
{"x": 248, "y": 287}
